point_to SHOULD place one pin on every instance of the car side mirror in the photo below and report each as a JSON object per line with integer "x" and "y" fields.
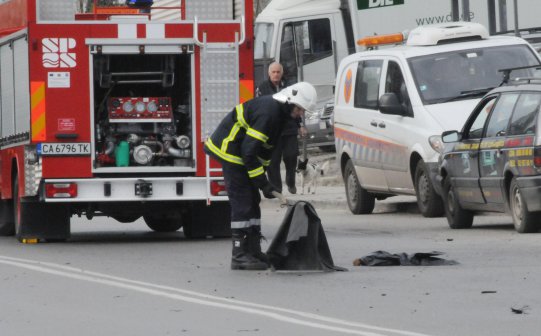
{"x": 389, "y": 104}
{"x": 450, "y": 136}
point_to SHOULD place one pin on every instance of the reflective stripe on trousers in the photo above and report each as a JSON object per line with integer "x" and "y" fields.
{"x": 244, "y": 197}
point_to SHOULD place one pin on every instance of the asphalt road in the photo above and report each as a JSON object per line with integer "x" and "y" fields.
{"x": 122, "y": 279}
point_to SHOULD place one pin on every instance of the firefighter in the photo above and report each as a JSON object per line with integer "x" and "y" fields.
{"x": 243, "y": 144}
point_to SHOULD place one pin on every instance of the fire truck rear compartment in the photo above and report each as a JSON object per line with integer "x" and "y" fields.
{"x": 142, "y": 112}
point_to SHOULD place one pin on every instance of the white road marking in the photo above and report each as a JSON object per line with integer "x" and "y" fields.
{"x": 277, "y": 313}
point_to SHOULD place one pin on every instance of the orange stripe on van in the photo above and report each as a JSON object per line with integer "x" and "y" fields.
{"x": 37, "y": 110}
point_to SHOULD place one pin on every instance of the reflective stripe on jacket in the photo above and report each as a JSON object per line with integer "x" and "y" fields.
{"x": 247, "y": 134}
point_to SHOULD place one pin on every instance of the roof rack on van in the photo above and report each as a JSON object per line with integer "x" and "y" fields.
{"x": 527, "y": 80}
{"x": 507, "y": 72}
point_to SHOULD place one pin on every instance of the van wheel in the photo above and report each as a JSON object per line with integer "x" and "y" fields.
{"x": 430, "y": 204}
{"x": 360, "y": 201}
{"x": 524, "y": 220}
{"x": 457, "y": 217}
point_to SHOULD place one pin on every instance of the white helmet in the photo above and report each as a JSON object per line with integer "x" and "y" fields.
{"x": 302, "y": 94}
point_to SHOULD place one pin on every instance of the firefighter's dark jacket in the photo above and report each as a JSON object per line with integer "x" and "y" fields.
{"x": 247, "y": 135}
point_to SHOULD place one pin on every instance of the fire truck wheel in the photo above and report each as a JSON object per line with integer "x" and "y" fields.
{"x": 16, "y": 207}
{"x": 7, "y": 227}
{"x": 126, "y": 218}
{"x": 163, "y": 223}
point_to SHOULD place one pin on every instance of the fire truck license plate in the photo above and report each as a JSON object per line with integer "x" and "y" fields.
{"x": 65, "y": 148}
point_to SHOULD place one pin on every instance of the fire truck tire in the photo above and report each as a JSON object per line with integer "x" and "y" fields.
{"x": 126, "y": 218}
{"x": 7, "y": 226}
{"x": 207, "y": 221}
{"x": 16, "y": 208}
{"x": 38, "y": 220}
{"x": 163, "y": 223}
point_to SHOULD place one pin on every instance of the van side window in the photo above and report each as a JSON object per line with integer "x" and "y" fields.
{"x": 394, "y": 83}
{"x": 499, "y": 119}
{"x": 525, "y": 116}
{"x": 367, "y": 84}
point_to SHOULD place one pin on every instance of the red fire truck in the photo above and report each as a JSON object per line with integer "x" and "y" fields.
{"x": 104, "y": 110}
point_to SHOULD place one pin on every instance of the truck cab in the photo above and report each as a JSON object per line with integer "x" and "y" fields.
{"x": 392, "y": 104}
{"x": 309, "y": 47}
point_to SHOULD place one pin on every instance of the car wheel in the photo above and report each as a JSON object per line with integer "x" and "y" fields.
{"x": 524, "y": 220}
{"x": 430, "y": 204}
{"x": 457, "y": 217}
{"x": 360, "y": 201}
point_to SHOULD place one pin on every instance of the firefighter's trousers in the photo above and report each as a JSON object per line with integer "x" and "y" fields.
{"x": 244, "y": 197}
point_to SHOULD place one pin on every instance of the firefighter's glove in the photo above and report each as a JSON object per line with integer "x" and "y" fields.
{"x": 267, "y": 190}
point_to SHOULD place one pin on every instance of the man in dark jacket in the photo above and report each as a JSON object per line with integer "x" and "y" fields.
{"x": 274, "y": 83}
{"x": 287, "y": 147}
{"x": 243, "y": 144}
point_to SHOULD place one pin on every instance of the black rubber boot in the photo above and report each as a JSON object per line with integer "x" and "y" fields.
{"x": 254, "y": 243}
{"x": 242, "y": 258}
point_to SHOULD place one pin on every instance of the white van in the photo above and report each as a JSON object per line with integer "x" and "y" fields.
{"x": 392, "y": 104}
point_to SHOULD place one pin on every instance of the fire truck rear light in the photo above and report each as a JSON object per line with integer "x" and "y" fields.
{"x": 217, "y": 188}
{"x": 60, "y": 190}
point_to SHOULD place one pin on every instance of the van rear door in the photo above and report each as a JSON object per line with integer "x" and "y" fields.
{"x": 356, "y": 129}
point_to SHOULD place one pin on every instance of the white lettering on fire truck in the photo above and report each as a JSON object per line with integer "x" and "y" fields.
{"x": 56, "y": 53}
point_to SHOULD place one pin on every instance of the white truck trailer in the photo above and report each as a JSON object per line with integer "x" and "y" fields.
{"x": 310, "y": 37}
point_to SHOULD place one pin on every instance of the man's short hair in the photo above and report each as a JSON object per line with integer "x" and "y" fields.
{"x": 276, "y": 63}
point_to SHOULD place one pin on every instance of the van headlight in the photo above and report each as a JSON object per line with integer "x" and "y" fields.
{"x": 436, "y": 143}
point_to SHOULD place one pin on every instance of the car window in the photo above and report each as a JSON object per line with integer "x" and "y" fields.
{"x": 318, "y": 43}
{"x": 499, "y": 119}
{"x": 288, "y": 56}
{"x": 367, "y": 84}
{"x": 524, "y": 118}
{"x": 394, "y": 83}
{"x": 475, "y": 131}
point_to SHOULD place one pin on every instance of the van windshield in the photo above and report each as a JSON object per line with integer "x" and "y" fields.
{"x": 263, "y": 40}
{"x": 464, "y": 74}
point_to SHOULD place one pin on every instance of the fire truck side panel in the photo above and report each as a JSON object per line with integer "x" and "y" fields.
{"x": 14, "y": 106}
{"x": 59, "y": 60}
{"x": 12, "y": 16}
{"x": 108, "y": 118}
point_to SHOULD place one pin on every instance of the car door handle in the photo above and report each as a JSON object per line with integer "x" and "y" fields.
{"x": 381, "y": 125}
{"x": 374, "y": 123}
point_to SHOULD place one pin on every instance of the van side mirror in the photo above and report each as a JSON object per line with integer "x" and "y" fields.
{"x": 389, "y": 104}
{"x": 450, "y": 136}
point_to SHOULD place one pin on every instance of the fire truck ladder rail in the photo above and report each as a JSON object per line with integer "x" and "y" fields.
{"x": 203, "y": 44}
{"x": 210, "y": 178}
